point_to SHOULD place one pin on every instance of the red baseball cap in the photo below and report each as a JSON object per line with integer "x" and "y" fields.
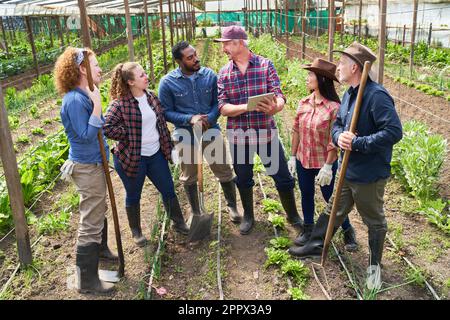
{"x": 232, "y": 33}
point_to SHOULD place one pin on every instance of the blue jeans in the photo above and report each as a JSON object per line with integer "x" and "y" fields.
{"x": 156, "y": 168}
{"x": 306, "y": 181}
{"x": 274, "y": 162}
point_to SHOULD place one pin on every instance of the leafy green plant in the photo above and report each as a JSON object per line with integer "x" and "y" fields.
{"x": 23, "y": 139}
{"x": 271, "y": 206}
{"x": 47, "y": 121}
{"x": 53, "y": 223}
{"x": 297, "y": 270}
{"x": 277, "y": 220}
{"x": 280, "y": 242}
{"x": 298, "y": 294}
{"x": 13, "y": 122}
{"x": 416, "y": 276}
{"x": 275, "y": 257}
{"x": 38, "y": 131}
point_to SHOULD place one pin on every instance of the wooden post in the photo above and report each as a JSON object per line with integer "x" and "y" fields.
{"x": 413, "y": 37}
{"x": 304, "y": 28}
{"x": 331, "y": 29}
{"x": 129, "y": 30}
{"x": 49, "y": 26}
{"x": 261, "y": 17}
{"x": 171, "y": 25}
{"x": 176, "y": 20}
{"x": 84, "y": 24}
{"x": 359, "y": 20}
{"x": 11, "y": 29}
{"x": 286, "y": 27}
{"x": 181, "y": 20}
{"x": 33, "y": 47}
{"x": 404, "y": 35}
{"x": 14, "y": 186}
{"x": 149, "y": 45}
{"x": 4, "y": 35}
{"x": 269, "y": 16}
{"x": 429, "y": 34}
{"x": 60, "y": 33}
{"x": 342, "y": 22}
{"x": 163, "y": 31}
{"x": 317, "y": 20}
{"x": 276, "y": 18}
{"x": 185, "y": 21}
{"x": 381, "y": 40}
{"x": 218, "y": 13}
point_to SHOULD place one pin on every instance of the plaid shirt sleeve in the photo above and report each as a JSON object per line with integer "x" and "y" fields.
{"x": 221, "y": 92}
{"x": 331, "y": 145}
{"x": 114, "y": 127}
{"x": 273, "y": 82}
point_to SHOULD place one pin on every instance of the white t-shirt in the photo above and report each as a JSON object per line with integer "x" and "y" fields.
{"x": 150, "y": 135}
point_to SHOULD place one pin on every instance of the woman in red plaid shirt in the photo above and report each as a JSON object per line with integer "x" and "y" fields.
{"x": 136, "y": 120}
{"x": 314, "y": 156}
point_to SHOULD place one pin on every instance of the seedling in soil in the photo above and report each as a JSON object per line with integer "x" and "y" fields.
{"x": 275, "y": 257}
{"x": 298, "y": 294}
{"x": 416, "y": 276}
{"x": 258, "y": 167}
{"x": 47, "y": 121}
{"x": 23, "y": 139}
{"x": 13, "y": 122}
{"x": 34, "y": 112}
{"x": 38, "y": 132}
{"x": 280, "y": 243}
{"x": 278, "y": 221}
{"x": 271, "y": 206}
{"x": 54, "y": 223}
{"x": 297, "y": 270}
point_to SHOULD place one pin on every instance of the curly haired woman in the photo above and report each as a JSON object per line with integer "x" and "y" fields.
{"x": 135, "y": 119}
{"x": 81, "y": 115}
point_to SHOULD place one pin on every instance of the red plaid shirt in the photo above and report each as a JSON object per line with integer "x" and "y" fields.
{"x": 123, "y": 122}
{"x": 313, "y": 124}
{"x": 235, "y": 88}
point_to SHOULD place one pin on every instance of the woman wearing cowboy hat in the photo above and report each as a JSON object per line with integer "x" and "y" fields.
{"x": 313, "y": 153}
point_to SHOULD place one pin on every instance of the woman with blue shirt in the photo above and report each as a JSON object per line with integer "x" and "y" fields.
{"x": 81, "y": 115}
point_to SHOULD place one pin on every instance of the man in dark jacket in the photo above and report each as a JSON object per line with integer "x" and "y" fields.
{"x": 378, "y": 129}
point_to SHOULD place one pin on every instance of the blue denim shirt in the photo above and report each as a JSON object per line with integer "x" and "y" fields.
{"x": 378, "y": 129}
{"x": 81, "y": 127}
{"x": 183, "y": 97}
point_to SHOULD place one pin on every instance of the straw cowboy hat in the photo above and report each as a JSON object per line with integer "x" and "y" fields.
{"x": 322, "y": 67}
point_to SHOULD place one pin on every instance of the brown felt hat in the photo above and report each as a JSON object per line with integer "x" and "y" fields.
{"x": 359, "y": 53}
{"x": 322, "y": 67}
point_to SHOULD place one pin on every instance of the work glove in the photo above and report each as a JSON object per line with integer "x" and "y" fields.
{"x": 291, "y": 165}
{"x": 325, "y": 175}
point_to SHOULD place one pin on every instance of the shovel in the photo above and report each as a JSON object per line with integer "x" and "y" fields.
{"x": 107, "y": 275}
{"x": 201, "y": 223}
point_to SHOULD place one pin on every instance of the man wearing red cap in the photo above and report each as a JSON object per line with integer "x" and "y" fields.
{"x": 253, "y": 131}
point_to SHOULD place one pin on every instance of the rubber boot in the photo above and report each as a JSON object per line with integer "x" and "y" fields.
{"x": 134, "y": 220}
{"x": 173, "y": 209}
{"x": 376, "y": 243}
{"x": 105, "y": 252}
{"x": 313, "y": 248}
{"x": 304, "y": 236}
{"x": 288, "y": 201}
{"x": 87, "y": 270}
{"x": 350, "y": 243}
{"x": 247, "y": 203}
{"x": 192, "y": 196}
{"x": 229, "y": 191}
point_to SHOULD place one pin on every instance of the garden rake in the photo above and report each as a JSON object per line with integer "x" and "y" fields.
{"x": 107, "y": 275}
{"x": 201, "y": 223}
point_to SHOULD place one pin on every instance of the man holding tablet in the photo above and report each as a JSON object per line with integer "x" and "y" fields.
{"x": 250, "y": 125}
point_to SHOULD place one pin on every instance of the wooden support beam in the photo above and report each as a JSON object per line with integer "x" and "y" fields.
{"x": 163, "y": 31}
{"x": 381, "y": 39}
{"x": 14, "y": 186}
{"x": 331, "y": 28}
{"x": 129, "y": 30}
{"x": 149, "y": 45}
{"x": 33, "y": 46}
{"x": 304, "y": 8}
{"x": 60, "y": 32}
{"x": 84, "y": 24}
{"x": 359, "y": 20}
{"x": 171, "y": 26}
{"x": 286, "y": 27}
{"x": 4, "y": 36}
{"x": 413, "y": 37}
{"x": 176, "y": 19}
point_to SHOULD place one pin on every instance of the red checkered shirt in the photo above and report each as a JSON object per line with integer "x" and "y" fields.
{"x": 123, "y": 122}
{"x": 313, "y": 124}
{"x": 235, "y": 88}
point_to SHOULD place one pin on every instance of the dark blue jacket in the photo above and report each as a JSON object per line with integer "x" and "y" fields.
{"x": 378, "y": 129}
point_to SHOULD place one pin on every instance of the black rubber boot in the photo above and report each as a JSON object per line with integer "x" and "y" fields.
{"x": 350, "y": 243}
{"x": 87, "y": 270}
{"x": 247, "y": 203}
{"x": 313, "y": 248}
{"x": 304, "y": 236}
{"x": 134, "y": 220}
{"x": 376, "y": 243}
{"x": 105, "y": 252}
{"x": 287, "y": 199}
{"x": 173, "y": 210}
{"x": 229, "y": 191}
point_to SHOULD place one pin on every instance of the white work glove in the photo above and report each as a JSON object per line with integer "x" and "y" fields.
{"x": 291, "y": 165}
{"x": 325, "y": 175}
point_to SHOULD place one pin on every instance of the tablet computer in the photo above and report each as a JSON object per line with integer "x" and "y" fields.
{"x": 254, "y": 100}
